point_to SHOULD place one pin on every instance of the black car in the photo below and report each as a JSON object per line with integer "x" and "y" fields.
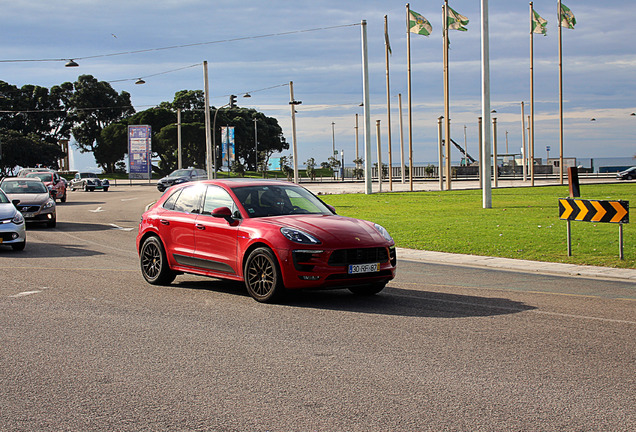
{"x": 181, "y": 176}
{"x": 628, "y": 174}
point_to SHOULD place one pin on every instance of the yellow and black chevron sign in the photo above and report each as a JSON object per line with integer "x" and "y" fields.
{"x": 594, "y": 210}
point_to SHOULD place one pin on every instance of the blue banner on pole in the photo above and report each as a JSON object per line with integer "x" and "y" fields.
{"x": 139, "y": 152}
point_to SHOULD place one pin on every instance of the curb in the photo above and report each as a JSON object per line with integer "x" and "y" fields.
{"x": 523, "y": 266}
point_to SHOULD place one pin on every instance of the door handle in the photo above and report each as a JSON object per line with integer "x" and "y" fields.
{"x": 200, "y": 227}
{"x": 164, "y": 222}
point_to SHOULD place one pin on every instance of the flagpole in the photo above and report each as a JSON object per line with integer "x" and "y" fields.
{"x": 401, "y": 140}
{"x": 408, "y": 86}
{"x": 485, "y": 107}
{"x": 447, "y": 168}
{"x": 524, "y": 159}
{"x": 560, "y": 98}
{"x": 388, "y": 99}
{"x": 531, "y": 125}
{"x": 367, "y": 113}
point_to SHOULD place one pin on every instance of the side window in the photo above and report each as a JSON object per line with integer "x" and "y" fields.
{"x": 189, "y": 200}
{"x": 216, "y": 197}
{"x": 169, "y": 203}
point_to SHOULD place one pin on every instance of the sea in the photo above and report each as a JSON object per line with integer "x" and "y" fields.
{"x": 596, "y": 163}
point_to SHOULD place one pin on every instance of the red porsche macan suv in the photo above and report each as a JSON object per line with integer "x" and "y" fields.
{"x": 273, "y": 235}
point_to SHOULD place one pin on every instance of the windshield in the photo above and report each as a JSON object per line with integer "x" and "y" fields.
{"x": 23, "y": 187}
{"x": 275, "y": 200}
{"x": 42, "y": 176}
{"x": 180, "y": 173}
{"x": 87, "y": 175}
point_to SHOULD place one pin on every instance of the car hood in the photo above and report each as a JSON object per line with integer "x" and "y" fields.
{"x": 332, "y": 229}
{"x": 7, "y": 211}
{"x": 30, "y": 199}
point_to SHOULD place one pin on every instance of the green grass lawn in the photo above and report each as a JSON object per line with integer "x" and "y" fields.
{"x": 523, "y": 223}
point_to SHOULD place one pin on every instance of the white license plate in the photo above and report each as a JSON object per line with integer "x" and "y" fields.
{"x": 364, "y": 268}
{"x": 27, "y": 215}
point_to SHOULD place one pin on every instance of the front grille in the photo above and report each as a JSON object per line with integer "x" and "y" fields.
{"x": 29, "y": 209}
{"x": 343, "y": 257}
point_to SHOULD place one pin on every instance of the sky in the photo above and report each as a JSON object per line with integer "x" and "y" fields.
{"x": 259, "y": 47}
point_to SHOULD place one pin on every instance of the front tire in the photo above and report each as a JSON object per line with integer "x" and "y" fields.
{"x": 368, "y": 290}
{"x": 18, "y": 246}
{"x": 154, "y": 263}
{"x": 262, "y": 275}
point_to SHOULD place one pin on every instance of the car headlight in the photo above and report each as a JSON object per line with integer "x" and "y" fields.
{"x": 18, "y": 218}
{"x": 298, "y": 236}
{"x": 384, "y": 232}
{"x": 180, "y": 180}
{"x": 48, "y": 205}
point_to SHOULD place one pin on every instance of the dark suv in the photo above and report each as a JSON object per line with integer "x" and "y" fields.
{"x": 181, "y": 176}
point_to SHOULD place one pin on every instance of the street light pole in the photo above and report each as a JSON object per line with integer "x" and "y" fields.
{"x": 333, "y": 139}
{"x": 292, "y": 104}
{"x": 255, "y": 145}
{"x": 208, "y": 138}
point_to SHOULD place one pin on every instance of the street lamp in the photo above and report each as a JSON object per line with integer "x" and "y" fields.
{"x": 71, "y": 63}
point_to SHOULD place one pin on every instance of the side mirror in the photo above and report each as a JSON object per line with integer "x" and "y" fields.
{"x": 225, "y": 213}
{"x": 332, "y": 208}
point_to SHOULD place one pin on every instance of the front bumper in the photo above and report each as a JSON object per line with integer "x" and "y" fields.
{"x": 324, "y": 269}
{"x": 35, "y": 213}
{"x": 11, "y": 233}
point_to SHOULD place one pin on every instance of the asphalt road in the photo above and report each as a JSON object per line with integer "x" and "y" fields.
{"x": 88, "y": 345}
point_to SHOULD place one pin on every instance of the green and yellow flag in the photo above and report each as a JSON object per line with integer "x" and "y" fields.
{"x": 567, "y": 17}
{"x": 418, "y": 24}
{"x": 539, "y": 24}
{"x": 456, "y": 21}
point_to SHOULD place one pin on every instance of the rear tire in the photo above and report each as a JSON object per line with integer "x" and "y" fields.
{"x": 368, "y": 290}
{"x": 263, "y": 278}
{"x": 154, "y": 262}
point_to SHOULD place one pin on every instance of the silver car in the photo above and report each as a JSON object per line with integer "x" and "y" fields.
{"x": 35, "y": 201}
{"x": 12, "y": 226}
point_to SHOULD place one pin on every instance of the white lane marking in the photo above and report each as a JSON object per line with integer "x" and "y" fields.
{"x": 129, "y": 199}
{"x": 25, "y": 293}
{"x": 120, "y": 228}
{"x": 97, "y": 210}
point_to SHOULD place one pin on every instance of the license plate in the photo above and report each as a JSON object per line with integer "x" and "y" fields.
{"x": 27, "y": 215}
{"x": 364, "y": 268}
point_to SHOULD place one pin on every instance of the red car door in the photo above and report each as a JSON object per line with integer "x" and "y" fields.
{"x": 216, "y": 238}
{"x": 175, "y": 223}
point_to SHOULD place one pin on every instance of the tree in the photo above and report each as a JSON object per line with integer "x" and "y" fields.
{"x": 358, "y": 172}
{"x": 26, "y": 150}
{"x": 95, "y": 105}
{"x": 311, "y": 168}
{"x": 334, "y": 164}
{"x": 112, "y": 143}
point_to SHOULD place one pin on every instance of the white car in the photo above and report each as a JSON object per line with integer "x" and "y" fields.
{"x": 12, "y": 226}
